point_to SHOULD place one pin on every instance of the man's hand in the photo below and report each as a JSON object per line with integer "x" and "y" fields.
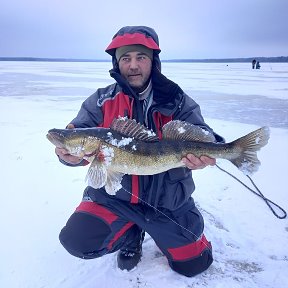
{"x": 192, "y": 162}
{"x": 64, "y": 155}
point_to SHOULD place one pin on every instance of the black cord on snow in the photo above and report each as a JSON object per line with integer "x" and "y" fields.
{"x": 268, "y": 202}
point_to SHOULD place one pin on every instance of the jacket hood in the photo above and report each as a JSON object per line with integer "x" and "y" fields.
{"x": 165, "y": 91}
{"x": 130, "y": 35}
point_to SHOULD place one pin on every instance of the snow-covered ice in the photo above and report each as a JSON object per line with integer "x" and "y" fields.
{"x": 39, "y": 194}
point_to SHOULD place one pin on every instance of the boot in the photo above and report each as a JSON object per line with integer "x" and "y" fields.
{"x": 130, "y": 255}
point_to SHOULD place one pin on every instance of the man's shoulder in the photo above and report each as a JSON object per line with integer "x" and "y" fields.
{"x": 105, "y": 93}
{"x": 108, "y": 90}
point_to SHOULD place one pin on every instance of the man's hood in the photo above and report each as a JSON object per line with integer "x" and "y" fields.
{"x": 165, "y": 91}
{"x": 130, "y": 35}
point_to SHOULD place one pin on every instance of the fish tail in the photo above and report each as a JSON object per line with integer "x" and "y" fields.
{"x": 248, "y": 146}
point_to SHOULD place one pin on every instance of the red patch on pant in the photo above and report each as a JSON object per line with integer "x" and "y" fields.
{"x": 191, "y": 250}
{"x": 97, "y": 210}
{"x": 119, "y": 234}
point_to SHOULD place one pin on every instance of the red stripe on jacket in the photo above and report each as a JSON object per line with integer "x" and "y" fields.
{"x": 160, "y": 120}
{"x": 116, "y": 107}
{"x": 120, "y": 106}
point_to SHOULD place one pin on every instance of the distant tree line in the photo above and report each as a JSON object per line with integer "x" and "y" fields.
{"x": 279, "y": 59}
{"x": 49, "y": 59}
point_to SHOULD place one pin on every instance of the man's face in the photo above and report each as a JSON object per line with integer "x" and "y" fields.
{"x": 135, "y": 67}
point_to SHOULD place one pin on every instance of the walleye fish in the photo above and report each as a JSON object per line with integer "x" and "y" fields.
{"x": 130, "y": 148}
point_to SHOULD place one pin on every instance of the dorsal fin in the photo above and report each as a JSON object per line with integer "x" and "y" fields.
{"x": 130, "y": 128}
{"x": 184, "y": 131}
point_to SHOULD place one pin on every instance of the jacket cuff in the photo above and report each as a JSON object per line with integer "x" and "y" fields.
{"x": 82, "y": 163}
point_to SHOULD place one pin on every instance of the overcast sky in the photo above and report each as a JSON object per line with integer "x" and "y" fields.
{"x": 186, "y": 28}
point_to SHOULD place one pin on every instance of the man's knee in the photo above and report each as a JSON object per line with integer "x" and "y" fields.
{"x": 84, "y": 235}
{"x": 194, "y": 266}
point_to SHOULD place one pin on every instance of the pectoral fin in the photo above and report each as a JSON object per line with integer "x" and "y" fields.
{"x": 113, "y": 183}
{"x": 97, "y": 174}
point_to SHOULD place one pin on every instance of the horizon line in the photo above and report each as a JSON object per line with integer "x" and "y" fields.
{"x": 61, "y": 59}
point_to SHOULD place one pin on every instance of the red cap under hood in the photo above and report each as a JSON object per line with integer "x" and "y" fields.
{"x": 131, "y": 35}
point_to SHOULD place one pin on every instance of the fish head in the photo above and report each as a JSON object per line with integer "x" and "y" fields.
{"x": 75, "y": 141}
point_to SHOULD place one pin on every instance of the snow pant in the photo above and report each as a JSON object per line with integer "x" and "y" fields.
{"x": 94, "y": 230}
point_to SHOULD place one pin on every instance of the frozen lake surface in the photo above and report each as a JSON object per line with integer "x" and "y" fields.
{"x": 232, "y": 92}
{"x": 38, "y": 194}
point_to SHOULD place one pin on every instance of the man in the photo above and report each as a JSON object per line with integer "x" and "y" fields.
{"x": 159, "y": 204}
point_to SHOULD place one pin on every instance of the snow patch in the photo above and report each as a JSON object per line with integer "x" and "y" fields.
{"x": 108, "y": 153}
{"x": 120, "y": 143}
{"x": 181, "y": 130}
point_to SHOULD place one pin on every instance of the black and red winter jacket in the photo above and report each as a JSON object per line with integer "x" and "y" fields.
{"x": 167, "y": 190}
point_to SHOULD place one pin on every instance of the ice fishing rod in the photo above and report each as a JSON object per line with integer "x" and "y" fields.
{"x": 258, "y": 193}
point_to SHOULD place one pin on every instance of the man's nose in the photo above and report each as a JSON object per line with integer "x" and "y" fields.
{"x": 133, "y": 63}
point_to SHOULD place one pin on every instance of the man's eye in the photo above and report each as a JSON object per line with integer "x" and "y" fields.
{"x": 125, "y": 59}
{"x": 141, "y": 58}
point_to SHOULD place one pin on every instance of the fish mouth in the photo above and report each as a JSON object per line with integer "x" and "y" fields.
{"x": 50, "y": 136}
{"x": 55, "y": 138}
{"x": 91, "y": 154}
{"x": 53, "y": 135}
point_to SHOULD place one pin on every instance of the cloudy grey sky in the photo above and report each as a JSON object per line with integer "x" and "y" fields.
{"x": 186, "y": 28}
